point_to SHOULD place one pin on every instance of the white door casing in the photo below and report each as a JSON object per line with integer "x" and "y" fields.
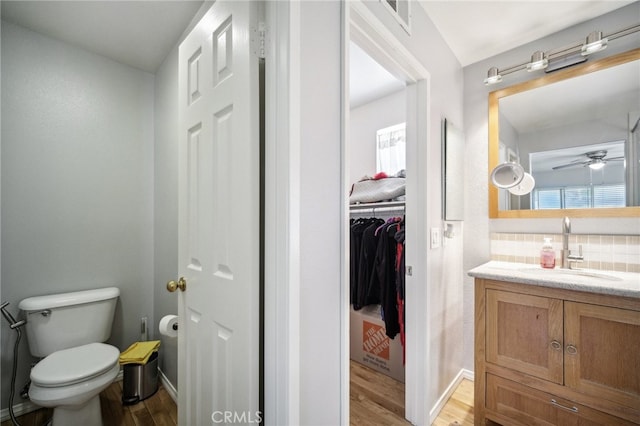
{"x": 361, "y": 25}
{"x": 219, "y": 223}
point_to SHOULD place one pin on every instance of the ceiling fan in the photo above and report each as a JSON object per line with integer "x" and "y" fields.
{"x": 594, "y": 159}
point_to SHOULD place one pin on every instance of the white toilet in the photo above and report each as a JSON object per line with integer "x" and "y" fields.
{"x": 67, "y": 331}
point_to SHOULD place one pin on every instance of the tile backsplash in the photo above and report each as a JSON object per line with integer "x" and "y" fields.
{"x": 604, "y": 252}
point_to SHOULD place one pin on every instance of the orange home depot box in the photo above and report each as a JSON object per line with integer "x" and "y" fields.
{"x": 370, "y": 346}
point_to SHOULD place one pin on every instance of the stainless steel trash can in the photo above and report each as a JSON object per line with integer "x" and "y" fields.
{"x": 140, "y": 381}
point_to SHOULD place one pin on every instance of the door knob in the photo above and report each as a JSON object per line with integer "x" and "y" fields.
{"x": 173, "y": 286}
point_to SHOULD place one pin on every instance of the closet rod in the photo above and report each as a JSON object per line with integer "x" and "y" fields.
{"x": 388, "y": 206}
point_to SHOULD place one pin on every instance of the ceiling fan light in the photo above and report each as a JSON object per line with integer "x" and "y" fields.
{"x": 594, "y": 43}
{"x": 597, "y": 164}
{"x": 538, "y": 61}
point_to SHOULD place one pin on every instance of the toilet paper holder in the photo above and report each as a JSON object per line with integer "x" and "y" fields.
{"x": 169, "y": 326}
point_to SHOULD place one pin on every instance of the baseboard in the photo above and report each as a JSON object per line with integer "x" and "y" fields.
{"x": 442, "y": 401}
{"x": 168, "y": 386}
{"x": 27, "y": 407}
{"x": 468, "y": 374}
{"x": 18, "y": 410}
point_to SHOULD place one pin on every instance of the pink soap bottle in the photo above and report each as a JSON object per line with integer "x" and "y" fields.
{"x": 547, "y": 255}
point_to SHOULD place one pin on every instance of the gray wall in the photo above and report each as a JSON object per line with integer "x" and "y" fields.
{"x": 165, "y": 244}
{"x": 476, "y": 244}
{"x": 77, "y": 181}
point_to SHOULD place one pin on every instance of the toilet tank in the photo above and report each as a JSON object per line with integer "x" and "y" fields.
{"x": 66, "y": 320}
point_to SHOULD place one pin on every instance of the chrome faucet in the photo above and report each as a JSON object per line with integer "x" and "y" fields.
{"x": 567, "y": 257}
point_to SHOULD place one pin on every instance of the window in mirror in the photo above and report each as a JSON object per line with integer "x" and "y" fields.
{"x": 582, "y": 177}
{"x": 391, "y": 149}
{"x": 579, "y": 197}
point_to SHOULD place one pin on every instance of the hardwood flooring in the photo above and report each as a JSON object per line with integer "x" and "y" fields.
{"x": 459, "y": 408}
{"x": 157, "y": 410}
{"x": 375, "y": 400}
{"x": 378, "y": 400}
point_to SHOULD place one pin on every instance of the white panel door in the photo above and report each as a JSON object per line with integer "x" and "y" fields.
{"x": 219, "y": 232}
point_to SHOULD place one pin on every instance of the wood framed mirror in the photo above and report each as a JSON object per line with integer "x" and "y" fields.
{"x": 541, "y": 137}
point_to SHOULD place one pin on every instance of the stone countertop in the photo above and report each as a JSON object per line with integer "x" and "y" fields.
{"x": 588, "y": 280}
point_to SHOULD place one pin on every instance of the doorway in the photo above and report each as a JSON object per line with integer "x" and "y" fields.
{"x": 361, "y": 27}
{"x": 377, "y": 160}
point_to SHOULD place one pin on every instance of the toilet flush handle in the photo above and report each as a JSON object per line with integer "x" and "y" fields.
{"x": 173, "y": 286}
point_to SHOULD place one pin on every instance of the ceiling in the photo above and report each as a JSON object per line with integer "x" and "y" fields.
{"x": 368, "y": 80}
{"x": 135, "y": 33}
{"x": 476, "y": 30}
{"x": 141, "y": 33}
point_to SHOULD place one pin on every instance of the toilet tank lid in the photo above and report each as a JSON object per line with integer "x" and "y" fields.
{"x": 51, "y": 301}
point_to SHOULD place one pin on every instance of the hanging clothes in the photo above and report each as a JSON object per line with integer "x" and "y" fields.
{"x": 386, "y": 273}
{"x": 377, "y": 270}
{"x": 400, "y": 284}
{"x": 363, "y": 250}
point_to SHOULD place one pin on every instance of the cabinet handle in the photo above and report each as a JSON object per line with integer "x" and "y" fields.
{"x": 556, "y": 345}
{"x": 572, "y": 350}
{"x": 573, "y": 409}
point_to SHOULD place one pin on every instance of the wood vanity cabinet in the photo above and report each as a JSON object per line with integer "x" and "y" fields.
{"x": 549, "y": 356}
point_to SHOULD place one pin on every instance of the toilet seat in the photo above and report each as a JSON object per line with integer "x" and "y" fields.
{"x": 74, "y": 365}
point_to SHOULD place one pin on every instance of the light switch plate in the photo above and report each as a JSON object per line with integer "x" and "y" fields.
{"x": 435, "y": 238}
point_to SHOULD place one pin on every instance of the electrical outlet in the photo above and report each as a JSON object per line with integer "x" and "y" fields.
{"x": 435, "y": 238}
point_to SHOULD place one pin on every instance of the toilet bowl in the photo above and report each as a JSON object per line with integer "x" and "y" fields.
{"x": 67, "y": 331}
{"x": 71, "y": 378}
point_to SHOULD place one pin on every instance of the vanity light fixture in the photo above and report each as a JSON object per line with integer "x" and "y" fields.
{"x": 594, "y": 43}
{"x": 493, "y": 76}
{"x": 563, "y": 57}
{"x": 538, "y": 61}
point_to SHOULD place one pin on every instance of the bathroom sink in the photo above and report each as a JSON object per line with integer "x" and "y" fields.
{"x": 573, "y": 272}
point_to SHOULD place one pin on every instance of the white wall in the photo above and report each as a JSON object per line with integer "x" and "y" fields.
{"x": 77, "y": 181}
{"x": 320, "y": 217}
{"x": 476, "y": 244}
{"x": 364, "y": 121}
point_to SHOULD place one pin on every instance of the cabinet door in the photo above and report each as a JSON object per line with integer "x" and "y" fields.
{"x": 602, "y": 352}
{"x": 524, "y": 333}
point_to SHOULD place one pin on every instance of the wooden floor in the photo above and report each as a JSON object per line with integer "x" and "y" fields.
{"x": 159, "y": 409}
{"x": 376, "y": 400}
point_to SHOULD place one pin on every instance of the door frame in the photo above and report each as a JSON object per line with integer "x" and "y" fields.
{"x": 281, "y": 327}
{"x": 361, "y": 25}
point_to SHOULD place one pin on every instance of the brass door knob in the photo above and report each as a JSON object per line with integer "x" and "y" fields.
{"x": 173, "y": 286}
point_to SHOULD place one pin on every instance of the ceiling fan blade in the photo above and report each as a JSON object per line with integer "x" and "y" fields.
{"x": 614, "y": 158}
{"x": 564, "y": 166}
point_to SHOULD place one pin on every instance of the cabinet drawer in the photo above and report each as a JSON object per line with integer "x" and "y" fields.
{"x": 512, "y": 403}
